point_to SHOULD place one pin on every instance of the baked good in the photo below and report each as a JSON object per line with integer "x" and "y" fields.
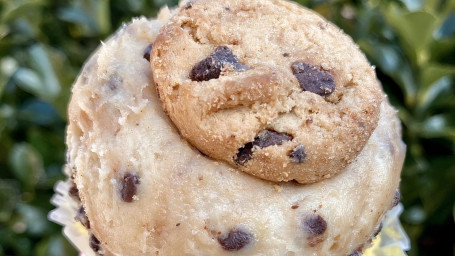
{"x": 145, "y": 190}
{"x": 290, "y": 99}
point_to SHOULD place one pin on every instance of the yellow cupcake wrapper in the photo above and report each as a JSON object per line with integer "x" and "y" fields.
{"x": 391, "y": 241}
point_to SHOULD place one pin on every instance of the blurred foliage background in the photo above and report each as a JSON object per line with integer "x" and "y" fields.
{"x": 44, "y": 43}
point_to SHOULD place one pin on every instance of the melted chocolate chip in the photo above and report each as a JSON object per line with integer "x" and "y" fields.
{"x": 235, "y": 240}
{"x": 82, "y": 217}
{"x": 315, "y": 225}
{"x": 396, "y": 198}
{"x": 298, "y": 155}
{"x": 95, "y": 244}
{"x": 313, "y": 79}
{"x": 147, "y": 52}
{"x": 128, "y": 186}
{"x": 264, "y": 139}
{"x": 212, "y": 66}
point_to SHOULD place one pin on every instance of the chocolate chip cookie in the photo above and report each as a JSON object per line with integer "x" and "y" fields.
{"x": 267, "y": 86}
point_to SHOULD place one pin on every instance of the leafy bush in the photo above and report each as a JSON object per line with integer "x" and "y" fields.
{"x": 44, "y": 43}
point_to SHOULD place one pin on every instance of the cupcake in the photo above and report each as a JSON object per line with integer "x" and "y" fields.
{"x": 231, "y": 128}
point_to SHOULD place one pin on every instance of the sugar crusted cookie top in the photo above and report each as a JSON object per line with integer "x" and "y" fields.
{"x": 267, "y": 86}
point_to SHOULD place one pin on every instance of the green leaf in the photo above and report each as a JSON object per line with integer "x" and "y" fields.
{"x": 437, "y": 95}
{"x": 433, "y": 72}
{"x": 8, "y": 198}
{"x": 56, "y": 245}
{"x": 441, "y": 125}
{"x": 6, "y": 113}
{"x": 35, "y": 219}
{"x": 26, "y": 164}
{"x": 91, "y": 17}
{"x": 29, "y": 81}
{"x": 8, "y": 66}
{"x": 38, "y": 112}
{"x": 415, "y": 29}
{"x": 17, "y": 8}
{"x": 40, "y": 61}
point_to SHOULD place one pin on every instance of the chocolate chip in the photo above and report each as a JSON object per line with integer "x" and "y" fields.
{"x": 396, "y": 198}
{"x": 244, "y": 154}
{"x": 356, "y": 253}
{"x": 95, "y": 244}
{"x": 212, "y": 66}
{"x": 298, "y": 155}
{"x": 82, "y": 217}
{"x": 286, "y": 54}
{"x": 147, "y": 52}
{"x": 295, "y": 206}
{"x": 315, "y": 225}
{"x": 313, "y": 79}
{"x": 235, "y": 240}
{"x": 264, "y": 139}
{"x": 128, "y": 186}
{"x": 74, "y": 192}
{"x": 268, "y": 138}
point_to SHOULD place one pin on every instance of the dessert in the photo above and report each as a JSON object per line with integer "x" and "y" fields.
{"x": 144, "y": 189}
{"x": 291, "y": 99}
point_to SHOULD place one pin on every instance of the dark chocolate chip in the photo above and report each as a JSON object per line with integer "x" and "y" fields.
{"x": 268, "y": 138}
{"x": 95, "y": 244}
{"x": 313, "y": 79}
{"x": 212, "y": 66}
{"x": 356, "y": 253}
{"x": 396, "y": 198}
{"x": 244, "y": 154}
{"x": 128, "y": 186}
{"x": 264, "y": 139}
{"x": 235, "y": 240}
{"x": 286, "y": 54}
{"x": 298, "y": 155}
{"x": 82, "y": 217}
{"x": 74, "y": 192}
{"x": 147, "y": 52}
{"x": 315, "y": 225}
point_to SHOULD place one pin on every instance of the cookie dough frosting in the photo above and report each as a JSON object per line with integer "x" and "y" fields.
{"x": 146, "y": 191}
{"x": 269, "y": 87}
